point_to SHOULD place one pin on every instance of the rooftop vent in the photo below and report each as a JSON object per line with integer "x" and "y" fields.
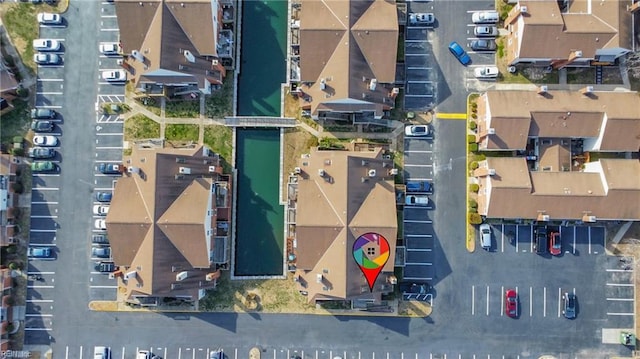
{"x": 189, "y": 56}
{"x": 365, "y": 163}
{"x": 319, "y": 278}
{"x": 492, "y": 171}
{"x": 137, "y": 55}
{"x": 130, "y": 275}
{"x": 323, "y": 84}
{"x": 212, "y": 169}
{"x": 491, "y": 131}
{"x": 321, "y": 172}
{"x": 133, "y": 169}
{"x": 297, "y": 170}
{"x": 179, "y": 177}
{"x": 184, "y": 170}
{"x": 372, "y": 84}
{"x": 364, "y": 179}
{"x": 372, "y": 173}
{"x": 543, "y": 89}
{"x": 523, "y": 9}
{"x": 175, "y": 286}
{"x": 393, "y": 172}
{"x": 182, "y": 276}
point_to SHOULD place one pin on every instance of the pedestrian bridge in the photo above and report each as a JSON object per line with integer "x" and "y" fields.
{"x": 259, "y": 121}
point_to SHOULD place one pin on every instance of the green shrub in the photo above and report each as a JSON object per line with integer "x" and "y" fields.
{"x": 22, "y": 92}
{"x": 471, "y": 139}
{"x": 473, "y": 125}
{"x": 474, "y": 187}
{"x": 473, "y": 209}
{"x": 473, "y": 147}
{"x": 17, "y": 187}
{"x": 11, "y": 249}
{"x": 18, "y": 139}
{"x": 474, "y": 116}
{"x": 473, "y": 203}
{"x": 481, "y": 157}
{"x": 13, "y": 266}
{"x": 473, "y": 165}
{"x": 17, "y": 152}
{"x": 474, "y": 106}
{"x": 475, "y": 218}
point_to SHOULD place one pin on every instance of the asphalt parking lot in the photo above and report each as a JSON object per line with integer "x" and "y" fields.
{"x": 421, "y": 79}
{"x": 46, "y": 195}
{"x": 273, "y": 353}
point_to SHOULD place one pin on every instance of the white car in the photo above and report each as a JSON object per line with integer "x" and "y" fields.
{"x": 100, "y": 224}
{"x": 416, "y": 130}
{"x": 109, "y": 48}
{"x": 114, "y": 75}
{"x": 46, "y": 45}
{"x": 420, "y": 18}
{"x": 486, "y": 72}
{"x": 485, "y": 236}
{"x": 417, "y": 200}
{"x": 143, "y": 354}
{"x": 100, "y": 210}
{"x": 101, "y": 353}
{"x": 45, "y": 141}
{"x": 485, "y": 17}
{"x": 47, "y": 18}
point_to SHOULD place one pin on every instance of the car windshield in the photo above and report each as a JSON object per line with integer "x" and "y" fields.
{"x": 419, "y": 129}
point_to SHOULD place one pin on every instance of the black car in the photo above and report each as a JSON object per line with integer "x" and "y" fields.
{"x": 43, "y": 113}
{"x": 41, "y": 126}
{"x": 41, "y": 152}
{"x": 483, "y": 45}
{"x": 106, "y": 267}
{"x": 540, "y": 243}
{"x": 99, "y": 239}
{"x": 569, "y": 305}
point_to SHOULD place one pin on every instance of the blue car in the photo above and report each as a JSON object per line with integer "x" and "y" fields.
{"x": 103, "y": 197}
{"x": 110, "y": 168}
{"x": 418, "y": 186}
{"x": 459, "y": 53}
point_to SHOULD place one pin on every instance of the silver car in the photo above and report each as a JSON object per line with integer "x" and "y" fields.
{"x": 485, "y": 236}
{"x": 485, "y": 31}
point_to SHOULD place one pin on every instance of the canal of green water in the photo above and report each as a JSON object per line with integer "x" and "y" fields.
{"x": 259, "y": 215}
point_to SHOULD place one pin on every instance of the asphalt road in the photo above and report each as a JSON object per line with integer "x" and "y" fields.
{"x": 465, "y": 284}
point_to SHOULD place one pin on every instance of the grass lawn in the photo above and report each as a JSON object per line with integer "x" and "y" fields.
{"x": 140, "y": 127}
{"x": 189, "y": 109}
{"x": 218, "y": 138}
{"x": 150, "y": 103}
{"x": 179, "y": 132}
{"x": 220, "y": 103}
{"x": 22, "y": 26}
{"x": 15, "y": 123}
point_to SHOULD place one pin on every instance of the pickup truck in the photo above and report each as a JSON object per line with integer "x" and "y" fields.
{"x": 419, "y": 186}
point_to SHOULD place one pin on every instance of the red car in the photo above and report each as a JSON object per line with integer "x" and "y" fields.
{"x": 511, "y": 299}
{"x": 555, "y": 244}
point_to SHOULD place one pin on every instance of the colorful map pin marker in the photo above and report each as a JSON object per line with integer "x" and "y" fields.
{"x": 371, "y": 253}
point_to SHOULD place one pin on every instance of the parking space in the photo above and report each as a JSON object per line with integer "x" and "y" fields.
{"x": 420, "y": 78}
{"x": 541, "y": 302}
{"x": 109, "y": 146}
{"x": 619, "y": 292}
{"x": 575, "y": 240}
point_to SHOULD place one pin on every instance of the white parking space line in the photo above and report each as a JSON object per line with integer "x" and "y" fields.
{"x": 487, "y": 300}
{"x": 531, "y": 301}
{"x": 49, "y": 80}
{"x": 619, "y": 270}
{"x": 589, "y": 236}
{"x": 501, "y": 301}
{"x": 621, "y": 299}
{"x": 44, "y": 216}
{"x": 108, "y": 29}
{"x": 50, "y": 106}
{"x": 109, "y": 134}
{"x": 620, "y": 284}
{"x": 30, "y": 329}
{"x": 419, "y": 179}
{"x": 43, "y": 203}
{"x": 39, "y": 300}
{"x": 416, "y": 221}
{"x": 49, "y": 93}
{"x": 544, "y": 302}
{"x": 40, "y": 286}
{"x": 38, "y": 315}
{"x": 417, "y": 151}
{"x": 45, "y": 189}
{"x": 43, "y": 231}
{"x": 110, "y": 148}
{"x": 408, "y": 165}
{"x": 620, "y": 314}
{"x": 108, "y": 16}
{"x": 559, "y": 301}
{"x": 44, "y": 244}
{"x": 574, "y": 241}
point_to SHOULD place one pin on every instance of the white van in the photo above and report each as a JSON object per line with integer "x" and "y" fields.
{"x": 485, "y": 17}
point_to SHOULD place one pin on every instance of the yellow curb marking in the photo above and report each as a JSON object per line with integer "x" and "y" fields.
{"x": 452, "y": 116}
